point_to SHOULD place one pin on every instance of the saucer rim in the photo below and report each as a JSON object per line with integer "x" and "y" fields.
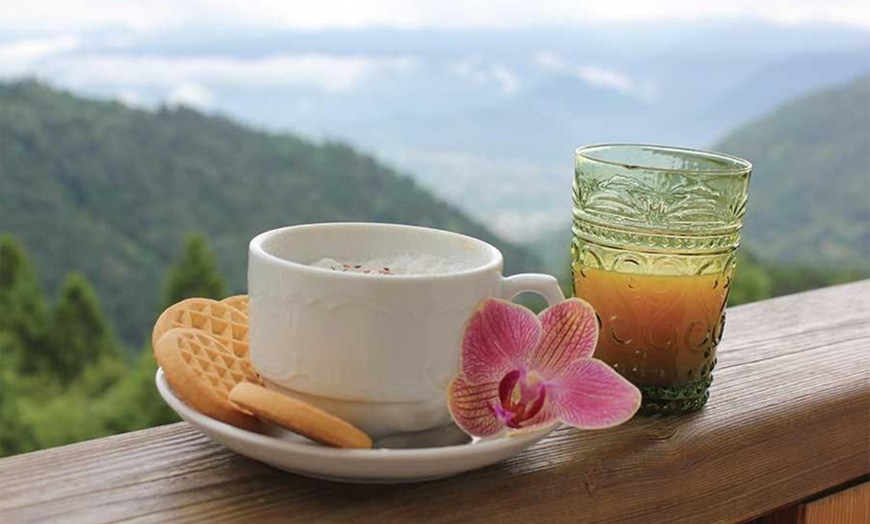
{"x": 318, "y": 450}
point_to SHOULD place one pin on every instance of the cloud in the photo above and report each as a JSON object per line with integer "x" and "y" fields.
{"x": 21, "y": 57}
{"x": 304, "y": 105}
{"x": 506, "y": 79}
{"x": 54, "y": 15}
{"x": 552, "y": 62}
{"x": 525, "y": 226}
{"x": 607, "y": 78}
{"x": 596, "y": 76}
{"x": 191, "y": 94}
{"x": 132, "y": 98}
{"x": 156, "y": 15}
{"x": 510, "y": 13}
{"x": 475, "y": 71}
{"x": 468, "y": 69}
{"x": 316, "y": 72}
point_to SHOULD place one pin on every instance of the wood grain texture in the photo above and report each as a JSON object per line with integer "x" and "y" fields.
{"x": 850, "y": 506}
{"x": 789, "y": 417}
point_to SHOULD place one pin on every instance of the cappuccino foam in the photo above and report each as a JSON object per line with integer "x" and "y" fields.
{"x": 399, "y": 264}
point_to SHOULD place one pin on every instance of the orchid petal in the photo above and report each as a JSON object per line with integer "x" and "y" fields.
{"x": 570, "y": 332}
{"x": 591, "y": 395}
{"x": 471, "y": 406}
{"x": 499, "y": 337}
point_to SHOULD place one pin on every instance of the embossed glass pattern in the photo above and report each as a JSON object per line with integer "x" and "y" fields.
{"x": 654, "y": 238}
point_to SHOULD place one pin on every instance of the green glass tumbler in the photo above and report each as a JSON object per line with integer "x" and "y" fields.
{"x": 655, "y": 235}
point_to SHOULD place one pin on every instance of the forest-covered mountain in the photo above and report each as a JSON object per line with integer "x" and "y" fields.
{"x": 110, "y": 191}
{"x": 809, "y": 197}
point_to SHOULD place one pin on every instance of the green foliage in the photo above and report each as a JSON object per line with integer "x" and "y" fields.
{"x": 62, "y": 419}
{"x": 22, "y": 305}
{"x": 809, "y": 197}
{"x": 74, "y": 385}
{"x": 117, "y": 189}
{"x": 108, "y": 398}
{"x": 98, "y": 378}
{"x": 195, "y": 274}
{"x": 14, "y": 433}
{"x": 134, "y": 402}
{"x": 752, "y": 282}
{"x": 80, "y": 336}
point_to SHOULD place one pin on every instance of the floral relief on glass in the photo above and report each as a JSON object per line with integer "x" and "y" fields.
{"x": 654, "y": 239}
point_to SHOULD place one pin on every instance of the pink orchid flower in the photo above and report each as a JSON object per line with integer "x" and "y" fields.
{"x": 521, "y": 372}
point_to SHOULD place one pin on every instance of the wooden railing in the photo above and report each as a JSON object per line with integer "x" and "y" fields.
{"x": 784, "y": 438}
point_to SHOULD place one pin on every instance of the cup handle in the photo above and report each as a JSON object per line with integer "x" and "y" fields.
{"x": 545, "y": 285}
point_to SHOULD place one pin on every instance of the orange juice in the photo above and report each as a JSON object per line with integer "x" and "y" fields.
{"x": 655, "y": 233}
{"x": 656, "y": 330}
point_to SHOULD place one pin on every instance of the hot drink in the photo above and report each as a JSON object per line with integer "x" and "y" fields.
{"x": 399, "y": 264}
{"x": 379, "y": 349}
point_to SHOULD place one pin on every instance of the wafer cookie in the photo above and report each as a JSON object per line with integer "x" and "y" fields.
{"x": 239, "y": 302}
{"x": 202, "y": 372}
{"x": 226, "y": 323}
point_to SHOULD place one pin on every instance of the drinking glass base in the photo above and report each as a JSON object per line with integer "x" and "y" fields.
{"x": 675, "y": 400}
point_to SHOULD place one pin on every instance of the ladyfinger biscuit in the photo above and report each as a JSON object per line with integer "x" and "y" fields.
{"x": 202, "y": 372}
{"x": 298, "y": 416}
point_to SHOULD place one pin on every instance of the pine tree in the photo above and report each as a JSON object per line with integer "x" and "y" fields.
{"x": 80, "y": 334}
{"x": 194, "y": 274}
{"x": 15, "y": 435}
{"x": 22, "y": 306}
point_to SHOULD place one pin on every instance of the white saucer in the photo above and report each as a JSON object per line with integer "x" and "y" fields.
{"x": 428, "y": 455}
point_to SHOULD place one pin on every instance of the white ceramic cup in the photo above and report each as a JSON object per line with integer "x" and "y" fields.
{"x": 376, "y": 350}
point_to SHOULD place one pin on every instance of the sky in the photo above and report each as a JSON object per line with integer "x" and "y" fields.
{"x": 146, "y": 53}
{"x": 90, "y": 45}
{"x": 82, "y": 44}
{"x": 156, "y": 15}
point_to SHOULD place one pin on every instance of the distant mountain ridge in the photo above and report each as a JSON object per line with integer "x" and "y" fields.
{"x": 533, "y": 132}
{"x": 809, "y": 195}
{"x": 768, "y": 88}
{"x": 110, "y": 191}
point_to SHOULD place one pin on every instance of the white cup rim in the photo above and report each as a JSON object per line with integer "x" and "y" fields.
{"x": 256, "y": 247}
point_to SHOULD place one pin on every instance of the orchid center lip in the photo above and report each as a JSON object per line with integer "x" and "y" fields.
{"x": 532, "y": 378}
{"x": 521, "y": 394}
